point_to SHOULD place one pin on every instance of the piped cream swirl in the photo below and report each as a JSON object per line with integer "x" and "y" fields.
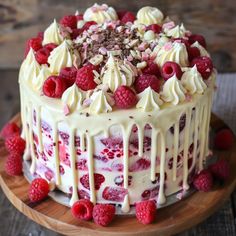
{"x": 149, "y": 15}
{"x": 99, "y": 103}
{"x": 37, "y": 82}
{"x": 52, "y": 34}
{"x": 173, "y": 91}
{"x": 60, "y": 57}
{"x": 100, "y": 13}
{"x": 73, "y": 98}
{"x": 116, "y": 73}
{"x": 175, "y": 51}
{"x": 192, "y": 81}
{"x": 203, "y": 51}
{"x": 149, "y": 100}
{"x": 176, "y": 32}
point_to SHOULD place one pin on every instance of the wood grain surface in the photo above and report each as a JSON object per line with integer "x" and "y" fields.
{"x": 170, "y": 220}
{"x": 215, "y": 19}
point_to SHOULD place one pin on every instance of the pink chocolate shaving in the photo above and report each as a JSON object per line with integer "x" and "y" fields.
{"x": 168, "y": 25}
{"x": 66, "y": 110}
{"x": 168, "y": 46}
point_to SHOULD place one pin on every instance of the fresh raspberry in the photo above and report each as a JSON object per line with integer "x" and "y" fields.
{"x": 128, "y": 17}
{"x": 82, "y": 209}
{"x": 35, "y": 43}
{"x": 151, "y": 68}
{"x": 182, "y": 40}
{"x": 204, "y": 66}
{"x": 203, "y": 181}
{"x": 220, "y": 170}
{"x": 170, "y": 69}
{"x": 69, "y": 21}
{"x": 141, "y": 164}
{"x": 87, "y": 25}
{"x": 121, "y": 14}
{"x": 199, "y": 38}
{"x": 224, "y": 139}
{"x": 80, "y": 17}
{"x": 50, "y": 46}
{"x": 116, "y": 194}
{"x": 125, "y": 97}
{"x": 85, "y": 78}
{"x": 39, "y": 190}
{"x": 155, "y": 28}
{"x": 42, "y": 56}
{"x": 193, "y": 52}
{"x": 15, "y": 145}
{"x": 144, "y": 81}
{"x": 54, "y": 86}
{"x": 40, "y": 35}
{"x": 10, "y": 129}
{"x": 13, "y": 165}
{"x": 103, "y": 214}
{"x": 98, "y": 180}
{"x": 69, "y": 74}
{"x": 145, "y": 212}
{"x": 75, "y": 33}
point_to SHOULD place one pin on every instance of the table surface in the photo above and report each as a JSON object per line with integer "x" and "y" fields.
{"x": 222, "y": 223}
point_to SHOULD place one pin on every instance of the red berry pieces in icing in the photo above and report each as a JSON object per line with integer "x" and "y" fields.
{"x": 199, "y": 38}
{"x": 39, "y": 190}
{"x": 145, "y": 212}
{"x": 54, "y": 86}
{"x": 80, "y": 17}
{"x": 85, "y": 78}
{"x": 98, "y": 180}
{"x": 125, "y": 97}
{"x": 82, "y": 209}
{"x": 10, "y": 129}
{"x": 204, "y": 66}
{"x": 193, "y": 52}
{"x": 34, "y": 43}
{"x": 128, "y": 17}
{"x": 13, "y": 165}
{"x": 113, "y": 143}
{"x": 42, "y": 56}
{"x": 103, "y": 214}
{"x": 144, "y": 81}
{"x": 40, "y": 35}
{"x": 220, "y": 170}
{"x": 75, "y": 33}
{"x": 155, "y": 28}
{"x": 203, "y": 181}
{"x": 224, "y": 139}
{"x": 141, "y": 164}
{"x": 69, "y": 21}
{"x": 170, "y": 69}
{"x": 15, "y": 145}
{"x": 88, "y": 24}
{"x": 50, "y": 46}
{"x": 116, "y": 194}
{"x": 151, "y": 68}
{"x": 69, "y": 74}
{"x": 150, "y": 193}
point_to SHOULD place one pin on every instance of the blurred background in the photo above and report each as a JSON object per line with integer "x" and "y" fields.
{"x": 215, "y": 19}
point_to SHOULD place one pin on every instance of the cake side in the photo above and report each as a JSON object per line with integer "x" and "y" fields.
{"x": 88, "y": 140}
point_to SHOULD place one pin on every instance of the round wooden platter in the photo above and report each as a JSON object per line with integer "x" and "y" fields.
{"x": 170, "y": 220}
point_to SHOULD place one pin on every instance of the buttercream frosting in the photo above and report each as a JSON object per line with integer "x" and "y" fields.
{"x": 192, "y": 81}
{"x": 149, "y": 100}
{"x": 173, "y": 91}
{"x": 203, "y": 51}
{"x": 176, "y": 32}
{"x": 37, "y": 82}
{"x": 149, "y": 15}
{"x": 52, "y": 34}
{"x": 100, "y": 13}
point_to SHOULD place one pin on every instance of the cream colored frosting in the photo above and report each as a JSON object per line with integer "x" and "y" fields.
{"x": 116, "y": 73}
{"x": 176, "y": 32}
{"x": 149, "y": 15}
{"x": 192, "y": 81}
{"x": 52, "y": 34}
{"x": 73, "y": 98}
{"x": 175, "y": 51}
{"x": 149, "y": 100}
{"x": 203, "y": 51}
{"x": 100, "y": 13}
{"x": 99, "y": 103}
{"x": 60, "y": 57}
{"x": 173, "y": 91}
{"x": 37, "y": 82}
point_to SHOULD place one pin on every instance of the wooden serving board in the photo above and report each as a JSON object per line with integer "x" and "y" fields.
{"x": 170, "y": 220}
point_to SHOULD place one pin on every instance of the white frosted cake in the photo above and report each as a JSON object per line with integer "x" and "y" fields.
{"x": 116, "y": 107}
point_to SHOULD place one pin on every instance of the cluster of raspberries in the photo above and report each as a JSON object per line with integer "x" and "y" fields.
{"x": 125, "y": 97}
